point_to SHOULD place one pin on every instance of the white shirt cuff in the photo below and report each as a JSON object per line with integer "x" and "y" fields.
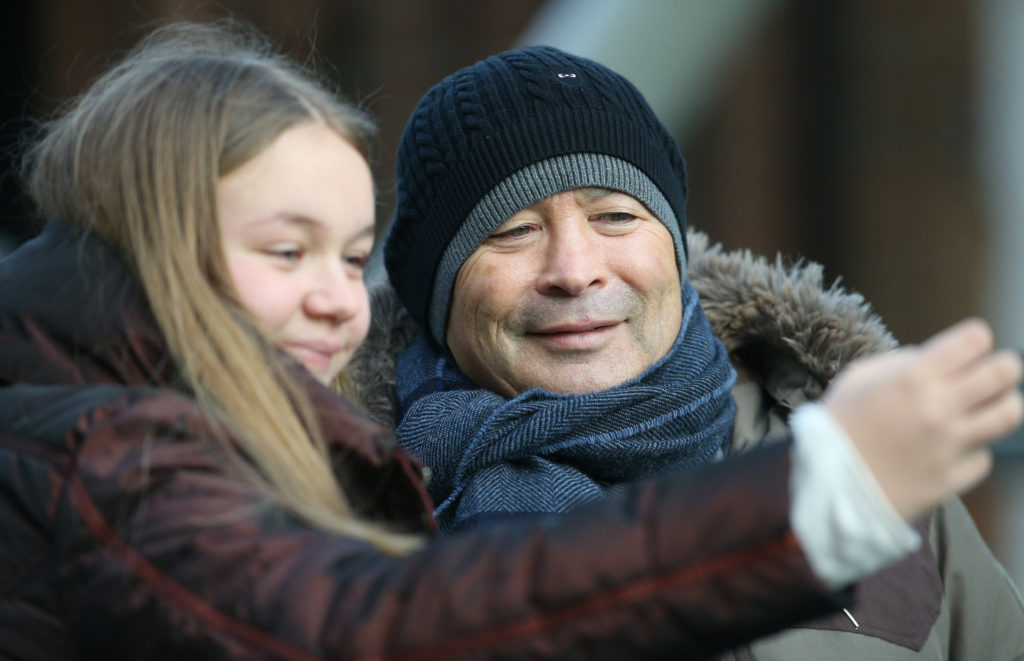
{"x": 847, "y": 527}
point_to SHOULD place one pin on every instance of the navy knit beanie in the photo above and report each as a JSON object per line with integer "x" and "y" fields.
{"x": 504, "y": 133}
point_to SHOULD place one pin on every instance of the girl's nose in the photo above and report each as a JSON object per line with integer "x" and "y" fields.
{"x": 337, "y": 295}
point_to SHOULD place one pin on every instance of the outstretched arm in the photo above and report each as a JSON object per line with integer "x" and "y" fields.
{"x": 190, "y": 561}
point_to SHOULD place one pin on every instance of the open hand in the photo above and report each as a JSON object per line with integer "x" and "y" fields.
{"x": 922, "y": 417}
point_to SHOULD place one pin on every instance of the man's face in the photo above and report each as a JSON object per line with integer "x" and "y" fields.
{"x": 576, "y": 293}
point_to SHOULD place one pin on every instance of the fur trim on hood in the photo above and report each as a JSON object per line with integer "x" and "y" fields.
{"x": 783, "y": 328}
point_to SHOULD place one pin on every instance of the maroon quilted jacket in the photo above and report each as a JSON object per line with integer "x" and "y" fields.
{"x": 125, "y": 534}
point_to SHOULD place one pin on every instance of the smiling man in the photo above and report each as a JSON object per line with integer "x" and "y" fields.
{"x": 577, "y": 292}
{"x": 553, "y": 346}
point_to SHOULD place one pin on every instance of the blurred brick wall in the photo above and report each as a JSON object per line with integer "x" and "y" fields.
{"x": 384, "y": 55}
{"x": 845, "y": 136}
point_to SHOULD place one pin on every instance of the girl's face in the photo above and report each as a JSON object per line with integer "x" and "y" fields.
{"x": 297, "y": 226}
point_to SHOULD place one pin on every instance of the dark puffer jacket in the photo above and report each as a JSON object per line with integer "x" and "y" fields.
{"x": 124, "y": 532}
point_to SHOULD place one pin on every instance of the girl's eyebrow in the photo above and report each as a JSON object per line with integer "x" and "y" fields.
{"x": 367, "y": 230}
{"x": 286, "y": 217}
{"x": 309, "y": 223}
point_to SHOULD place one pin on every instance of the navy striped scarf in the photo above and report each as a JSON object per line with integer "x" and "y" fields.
{"x": 491, "y": 457}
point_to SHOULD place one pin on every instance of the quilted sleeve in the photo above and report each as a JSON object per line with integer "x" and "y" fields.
{"x": 164, "y": 553}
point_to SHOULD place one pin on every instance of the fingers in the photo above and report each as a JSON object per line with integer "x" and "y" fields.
{"x": 995, "y": 418}
{"x": 989, "y": 378}
{"x": 922, "y": 417}
{"x": 956, "y": 347}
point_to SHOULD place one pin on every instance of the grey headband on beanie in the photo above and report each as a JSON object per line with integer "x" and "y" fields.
{"x": 528, "y": 186}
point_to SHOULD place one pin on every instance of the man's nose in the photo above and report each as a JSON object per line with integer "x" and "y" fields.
{"x": 574, "y": 260}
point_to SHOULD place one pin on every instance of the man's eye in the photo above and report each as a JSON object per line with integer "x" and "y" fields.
{"x": 616, "y": 217}
{"x": 516, "y": 232}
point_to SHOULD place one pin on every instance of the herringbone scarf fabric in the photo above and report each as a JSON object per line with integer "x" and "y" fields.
{"x": 491, "y": 457}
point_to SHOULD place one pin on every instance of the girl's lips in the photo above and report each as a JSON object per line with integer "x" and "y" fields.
{"x": 318, "y": 356}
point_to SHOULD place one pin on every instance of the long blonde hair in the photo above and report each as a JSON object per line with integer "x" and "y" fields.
{"x": 136, "y": 160}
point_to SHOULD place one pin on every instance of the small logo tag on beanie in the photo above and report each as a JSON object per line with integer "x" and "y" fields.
{"x": 568, "y": 78}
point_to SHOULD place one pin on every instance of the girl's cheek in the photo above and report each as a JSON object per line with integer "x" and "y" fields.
{"x": 265, "y": 295}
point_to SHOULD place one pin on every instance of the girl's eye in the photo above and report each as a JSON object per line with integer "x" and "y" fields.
{"x": 356, "y": 260}
{"x": 288, "y": 253}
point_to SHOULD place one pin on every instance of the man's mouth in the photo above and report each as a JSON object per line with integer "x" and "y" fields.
{"x": 575, "y": 336}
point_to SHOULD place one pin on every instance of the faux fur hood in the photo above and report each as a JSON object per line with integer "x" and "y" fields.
{"x": 784, "y": 329}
